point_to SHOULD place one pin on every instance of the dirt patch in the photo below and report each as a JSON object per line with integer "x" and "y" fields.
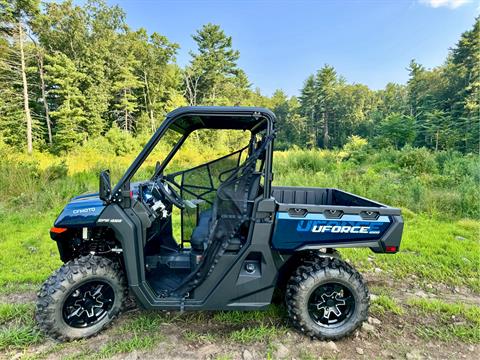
{"x": 18, "y": 298}
{"x": 405, "y": 289}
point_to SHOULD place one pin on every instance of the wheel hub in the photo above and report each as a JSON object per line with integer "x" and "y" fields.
{"x": 88, "y": 304}
{"x": 331, "y": 304}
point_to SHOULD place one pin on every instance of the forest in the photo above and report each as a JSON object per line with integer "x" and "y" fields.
{"x": 71, "y": 74}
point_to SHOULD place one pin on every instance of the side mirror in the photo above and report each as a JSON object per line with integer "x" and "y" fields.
{"x": 105, "y": 185}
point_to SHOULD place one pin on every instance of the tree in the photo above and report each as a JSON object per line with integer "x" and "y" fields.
{"x": 325, "y": 82}
{"x": 396, "y": 130}
{"x": 317, "y": 99}
{"x": 40, "y": 54}
{"x": 124, "y": 85}
{"x": 69, "y": 115}
{"x": 415, "y": 86}
{"x": 16, "y": 16}
{"x": 308, "y": 108}
{"x": 465, "y": 61}
{"x": 160, "y": 79}
{"x": 394, "y": 98}
{"x": 213, "y": 67}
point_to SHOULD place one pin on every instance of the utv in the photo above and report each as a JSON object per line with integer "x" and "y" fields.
{"x": 240, "y": 238}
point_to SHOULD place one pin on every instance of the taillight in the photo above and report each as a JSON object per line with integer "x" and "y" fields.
{"x": 391, "y": 249}
{"x": 57, "y": 230}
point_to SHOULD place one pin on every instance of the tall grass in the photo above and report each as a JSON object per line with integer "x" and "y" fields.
{"x": 444, "y": 184}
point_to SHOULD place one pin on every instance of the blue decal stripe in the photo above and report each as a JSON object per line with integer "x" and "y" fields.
{"x": 311, "y": 216}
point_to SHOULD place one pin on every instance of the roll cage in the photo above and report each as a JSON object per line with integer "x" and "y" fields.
{"x": 185, "y": 120}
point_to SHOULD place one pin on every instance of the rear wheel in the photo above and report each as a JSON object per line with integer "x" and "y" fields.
{"x": 327, "y": 298}
{"x": 81, "y": 298}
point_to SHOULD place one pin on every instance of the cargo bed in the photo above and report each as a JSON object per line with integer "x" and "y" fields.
{"x": 313, "y": 218}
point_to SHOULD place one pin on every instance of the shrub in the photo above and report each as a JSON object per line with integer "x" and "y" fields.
{"x": 56, "y": 171}
{"x": 356, "y": 148}
{"x": 417, "y": 161}
{"x": 123, "y": 143}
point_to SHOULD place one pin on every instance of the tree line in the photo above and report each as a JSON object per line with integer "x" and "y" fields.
{"x": 69, "y": 73}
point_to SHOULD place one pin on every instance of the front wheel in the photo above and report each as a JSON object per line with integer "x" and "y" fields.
{"x": 327, "y": 299}
{"x": 81, "y": 298}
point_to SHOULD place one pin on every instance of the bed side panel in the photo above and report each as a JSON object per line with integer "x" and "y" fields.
{"x": 291, "y": 232}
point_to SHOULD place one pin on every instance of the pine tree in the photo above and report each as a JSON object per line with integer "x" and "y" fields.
{"x": 325, "y": 82}
{"x": 69, "y": 115}
{"x": 308, "y": 109}
{"x": 15, "y": 18}
{"x": 465, "y": 59}
{"x": 213, "y": 67}
{"x": 124, "y": 85}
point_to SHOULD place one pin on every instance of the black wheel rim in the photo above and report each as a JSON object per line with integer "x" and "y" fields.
{"x": 331, "y": 305}
{"x": 88, "y": 304}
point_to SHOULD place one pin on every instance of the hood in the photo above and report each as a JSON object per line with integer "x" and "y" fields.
{"x": 82, "y": 210}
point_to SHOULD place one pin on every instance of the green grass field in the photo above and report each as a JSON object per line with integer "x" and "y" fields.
{"x": 439, "y": 255}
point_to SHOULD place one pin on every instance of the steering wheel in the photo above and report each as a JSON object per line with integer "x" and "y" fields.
{"x": 170, "y": 194}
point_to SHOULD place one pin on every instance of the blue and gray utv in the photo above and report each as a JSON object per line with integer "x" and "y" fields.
{"x": 233, "y": 240}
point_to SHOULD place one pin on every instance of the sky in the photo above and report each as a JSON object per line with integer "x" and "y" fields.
{"x": 282, "y": 42}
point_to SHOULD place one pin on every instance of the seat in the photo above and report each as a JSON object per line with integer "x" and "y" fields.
{"x": 199, "y": 237}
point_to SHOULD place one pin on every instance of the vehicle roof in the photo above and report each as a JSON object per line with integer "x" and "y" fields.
{"x": 189, "y": 118}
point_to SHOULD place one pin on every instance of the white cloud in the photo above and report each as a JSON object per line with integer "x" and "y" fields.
{"x": 452, "y": 4}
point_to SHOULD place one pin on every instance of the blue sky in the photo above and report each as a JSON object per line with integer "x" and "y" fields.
{"x": 282, "y": 42}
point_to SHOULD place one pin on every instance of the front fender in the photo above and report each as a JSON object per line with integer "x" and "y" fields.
{"x": 127, "y": 229}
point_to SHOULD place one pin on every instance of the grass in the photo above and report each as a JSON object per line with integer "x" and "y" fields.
{"x": 383, "y": 304}
{"x": 136, "y": 342}
{"x": 447, "y": 311}
{"x": 19, "y": 336}
{"x": 432, "y": 256}
{"x": 440, "y": 202}
{"x": 273, "y": 313}
{"x": 452, "y": 321}
{"x": 20, "y": 313}
{"x": 198, "y": 337}
{"x": 17, "y": 326}
{"x": 306, "y": 355}
{"x": 143, "y": 322}
{"x": 450, "y": 333}
{"x": 260, "y": 333}
{"x": 430, "y": 250}
{"x": 29, "y": 256}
